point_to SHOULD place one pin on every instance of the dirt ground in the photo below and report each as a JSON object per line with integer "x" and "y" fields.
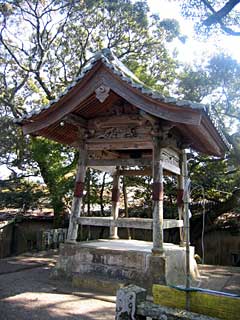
{"x": 220, "y": 278}
{"x": 28, "y": 292}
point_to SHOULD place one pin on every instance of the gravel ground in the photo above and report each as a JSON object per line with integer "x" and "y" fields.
{"x": 28, "y": 292}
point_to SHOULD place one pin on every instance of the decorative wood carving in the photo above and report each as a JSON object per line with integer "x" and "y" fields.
{"x": 119, "y": 144}
{"x": 116, "y": 133}
{"x": 126, "y": 120}
{"x": 122, "y": 108}
{"x": 167, "y": 137}
{"x": 102, "y": 93}
{"x": 119, "y": 162}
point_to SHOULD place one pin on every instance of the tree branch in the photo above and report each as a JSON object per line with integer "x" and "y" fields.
{"x": 217, "y": 16}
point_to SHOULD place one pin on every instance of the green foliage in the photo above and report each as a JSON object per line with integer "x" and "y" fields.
{"x": 14, "y": 151}
{"x": 57, "y": 165}
{"x": 210, "y": 174}
{"x": 21, "y": 194}
{"x": 217, "y": 84}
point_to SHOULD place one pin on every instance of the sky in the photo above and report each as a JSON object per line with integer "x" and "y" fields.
{"x": 194, "y": 49}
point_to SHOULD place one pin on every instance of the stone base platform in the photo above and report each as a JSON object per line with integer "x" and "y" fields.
{"x": 124, "y": 261}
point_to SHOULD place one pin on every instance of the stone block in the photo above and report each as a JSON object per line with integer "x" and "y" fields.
{"x": 127, "y": 300}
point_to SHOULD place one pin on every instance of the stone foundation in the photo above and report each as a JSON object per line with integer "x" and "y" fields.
{"x": 127, "y": 261}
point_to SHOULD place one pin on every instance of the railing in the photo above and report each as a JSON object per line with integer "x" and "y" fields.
{"x": 136, "y": 223}
{"x": 170, "y": 303}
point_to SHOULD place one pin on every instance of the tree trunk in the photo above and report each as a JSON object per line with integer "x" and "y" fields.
{"x": 59, "y": 209}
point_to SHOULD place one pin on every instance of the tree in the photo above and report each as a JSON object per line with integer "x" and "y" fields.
{"x": 57, "y": 165}
{"x": 209, "y": 15}
{"x": 217, "y": 84}
{"x": 45, "y": 44}
{"x": 21, "y": 194}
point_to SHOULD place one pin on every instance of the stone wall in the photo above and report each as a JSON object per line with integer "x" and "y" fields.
{"x": 127, "y": 261}
{"x": 124, "y": 266}
{"x": 221, "y": 248}
{"x": 6, "y": 237}
{"x": 26, "y": 235}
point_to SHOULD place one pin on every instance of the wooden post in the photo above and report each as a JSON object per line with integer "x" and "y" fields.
{"x": 157, "y": 197}
{"x": 186, "y": 226}
{"x": 180, "y": 204}
{"x": 115, "y": 204}
{"x": 78, "y": 195}
{"x": 124, "y": 189}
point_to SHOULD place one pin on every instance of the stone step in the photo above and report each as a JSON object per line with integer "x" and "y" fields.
{"x": 98, "y": 284}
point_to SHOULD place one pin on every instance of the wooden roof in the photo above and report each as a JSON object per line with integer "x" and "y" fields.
{"x": 107, "y": 88}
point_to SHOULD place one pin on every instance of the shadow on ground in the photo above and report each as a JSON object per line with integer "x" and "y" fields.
{"x": 28, "y": 292}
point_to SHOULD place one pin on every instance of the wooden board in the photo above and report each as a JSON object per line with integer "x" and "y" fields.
{"x": 136, "y": 223}
{"x": 213, "y": 305}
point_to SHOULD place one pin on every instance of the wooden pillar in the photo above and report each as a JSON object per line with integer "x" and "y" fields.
{"x": 78, "y": 196}
{"x": 180, "y": 203}
{"x": 186, "y": 225}
{"x": 157, "y": 197}
{"x": 115, "y": 204}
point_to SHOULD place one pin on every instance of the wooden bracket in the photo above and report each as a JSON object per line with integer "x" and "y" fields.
{"x": 75, "y": 120}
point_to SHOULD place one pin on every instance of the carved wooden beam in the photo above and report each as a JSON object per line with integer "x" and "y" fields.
{"x": 119, "y": 162}
{"x": 118, "y": 144}
{"x": 124, "y": 120}
{"x": 103, "y": 154}
{"x": 130, "y": 173}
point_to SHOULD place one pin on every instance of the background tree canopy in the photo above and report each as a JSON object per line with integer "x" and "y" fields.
{"x": 212, "y": 15}
{"x": 45, "y": 44}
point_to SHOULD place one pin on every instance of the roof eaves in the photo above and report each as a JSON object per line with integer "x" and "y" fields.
{"x": 85, "y": 70}
{"x": 218, "y": 128}
{"x": 170, "y": 100}
{"x": 117, "y": 67}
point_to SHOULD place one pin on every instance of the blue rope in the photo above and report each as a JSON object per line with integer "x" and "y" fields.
{"x": 194, "y": 289}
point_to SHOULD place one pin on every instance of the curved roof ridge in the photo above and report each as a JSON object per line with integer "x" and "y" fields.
{"x": 110, "y": 60}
